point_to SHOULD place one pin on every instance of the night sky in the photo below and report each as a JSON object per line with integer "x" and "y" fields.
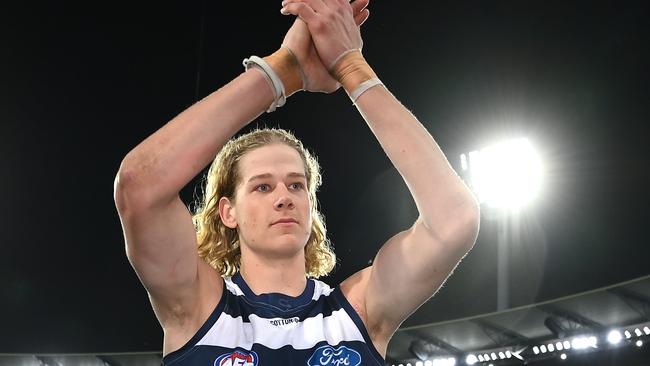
{"x": 82, "y": 85}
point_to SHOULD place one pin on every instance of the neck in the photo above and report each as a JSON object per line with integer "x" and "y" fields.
{"x": 265, "y": 275}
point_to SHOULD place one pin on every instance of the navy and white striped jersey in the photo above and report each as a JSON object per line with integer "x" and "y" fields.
{"x": 317, "y": 328}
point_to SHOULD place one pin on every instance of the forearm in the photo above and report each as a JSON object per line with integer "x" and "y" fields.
{"x": 160, "y": 166}
{"x": 442, "y": 199}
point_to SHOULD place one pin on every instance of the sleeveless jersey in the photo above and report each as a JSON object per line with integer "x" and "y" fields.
{"x": 317, "y": 328}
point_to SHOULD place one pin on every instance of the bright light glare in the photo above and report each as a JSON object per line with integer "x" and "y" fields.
{"x": 614, "y": 337}
{"x": 584, "y": 342}
{"x": 507, "y": 175}
{"x": 444, "y": 361}
{"x": 471, "y": 359}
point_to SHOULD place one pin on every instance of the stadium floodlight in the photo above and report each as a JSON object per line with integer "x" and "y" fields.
{"x": 471, "y": 359}
{"x": 559, "y": 346}
{"x": 584, "y": 342}
{"x": 451, "y": 361}
{"x": 536, "y": 350}
{"x": 638, "y": 333}
{"x": 550, "y": 347}
{"x": 614, "y": 337}
{"x": 628, "y": 335}
{"x": 567, "y": 344}
{"x": 419, "y": 363}
{"x": 481, "y": 359}
{"x": 639, "y": 343}
{"x": 646, "y": 330}
{"x": 563, "y": 356}
{"x": 507, "y": 175}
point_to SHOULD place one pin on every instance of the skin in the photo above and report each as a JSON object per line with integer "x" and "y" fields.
{"x": 273, "y": 187}
{"x": 158, "y": 230}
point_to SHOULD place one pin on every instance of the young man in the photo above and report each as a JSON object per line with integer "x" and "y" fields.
{"x": 244, "y": 297}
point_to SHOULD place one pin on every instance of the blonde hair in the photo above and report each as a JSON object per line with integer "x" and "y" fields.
{"x": 218, "y": 244}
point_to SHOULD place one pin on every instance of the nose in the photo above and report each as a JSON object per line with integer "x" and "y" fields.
{"x": 283, "y": 202}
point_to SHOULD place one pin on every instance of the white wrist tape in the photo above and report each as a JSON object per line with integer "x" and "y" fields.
{"x": 363, "y": 87}
{"x": 272, "y": 77}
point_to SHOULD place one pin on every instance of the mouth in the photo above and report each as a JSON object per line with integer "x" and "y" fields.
{"x": 285, "y": 222}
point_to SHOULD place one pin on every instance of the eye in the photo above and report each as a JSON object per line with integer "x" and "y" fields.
{"x": 297, "y": 185}
{"x": 263, "y": 187}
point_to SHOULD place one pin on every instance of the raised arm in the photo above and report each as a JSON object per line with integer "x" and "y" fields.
{"x": 412, "y": 265}
{"x": 159, "y": 234}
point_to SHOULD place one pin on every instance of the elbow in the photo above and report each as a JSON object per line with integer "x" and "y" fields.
{"x": 130, "y": 189}
{"x": 123, "y": 189}
{"x": 458, "y": 231}
{"x": 470, "y": 226}
{"x": 467, "y": 224}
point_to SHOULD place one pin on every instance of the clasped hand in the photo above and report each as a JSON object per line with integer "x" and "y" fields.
{"x": 323, "y": 31}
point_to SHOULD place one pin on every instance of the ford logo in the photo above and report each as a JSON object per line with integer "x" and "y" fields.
{"x": 330, "y": 356}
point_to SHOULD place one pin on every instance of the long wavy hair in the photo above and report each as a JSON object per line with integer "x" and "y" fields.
{"x": 218, "y": 244}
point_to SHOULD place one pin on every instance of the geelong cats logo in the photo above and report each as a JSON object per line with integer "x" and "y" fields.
{"x": 330, "y": 356}
{"x": 237, "y": 358}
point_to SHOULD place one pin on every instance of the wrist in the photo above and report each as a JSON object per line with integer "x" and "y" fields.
{"x": 283, "y": 72}
{"x": 352, "y": 70}
{"x": 354, "y": 74}
{"x": 286, "y": 66}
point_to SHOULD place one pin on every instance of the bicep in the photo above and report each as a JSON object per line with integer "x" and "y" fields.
{"x": 409, "y": 269}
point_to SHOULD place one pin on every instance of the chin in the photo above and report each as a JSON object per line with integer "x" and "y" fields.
{"x": 289, "y": 244}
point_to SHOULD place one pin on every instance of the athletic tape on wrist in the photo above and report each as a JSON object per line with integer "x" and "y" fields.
{"x": 363, "y": 87}
{"x": 276, "y": 83}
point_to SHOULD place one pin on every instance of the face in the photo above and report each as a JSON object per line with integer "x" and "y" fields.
{"x": 272, "y": 207}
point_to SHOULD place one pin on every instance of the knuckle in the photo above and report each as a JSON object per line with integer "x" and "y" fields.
{"x": 319, "y": 25}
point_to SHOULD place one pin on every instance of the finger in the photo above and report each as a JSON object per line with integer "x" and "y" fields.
{"x": 317, "y": 5}
{"x": 301, "y": 10}
{"x": 361, "y": 18}
{"x": 358, "y": 6}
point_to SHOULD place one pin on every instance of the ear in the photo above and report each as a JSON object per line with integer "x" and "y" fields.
{"x": 227, "y": 213}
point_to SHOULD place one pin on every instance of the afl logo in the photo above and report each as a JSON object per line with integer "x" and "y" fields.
{"x": 237, "y": 358}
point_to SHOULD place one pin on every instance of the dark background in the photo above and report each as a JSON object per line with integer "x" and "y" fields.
{"x": 82, "y": 85}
